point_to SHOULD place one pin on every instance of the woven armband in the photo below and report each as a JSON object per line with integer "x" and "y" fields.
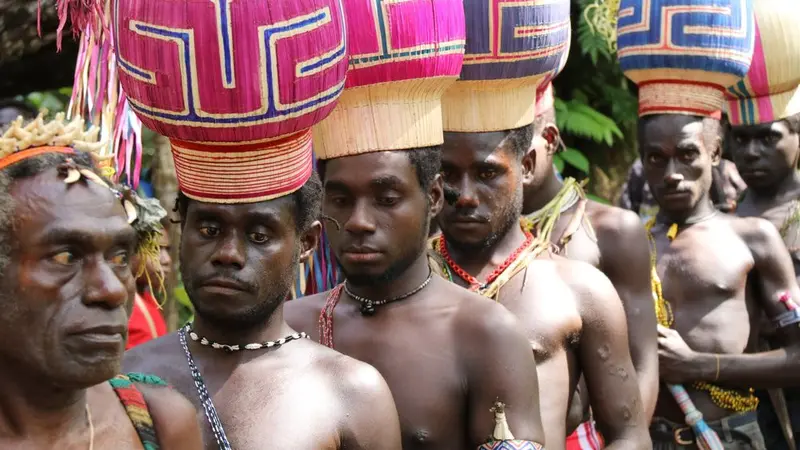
{"x": 511, "y": 444}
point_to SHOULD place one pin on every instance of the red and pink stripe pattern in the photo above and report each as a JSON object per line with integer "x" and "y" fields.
{"x": 243, "y": 173}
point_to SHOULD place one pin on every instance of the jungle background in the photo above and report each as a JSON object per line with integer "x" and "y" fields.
{"x": 596, "y": 109}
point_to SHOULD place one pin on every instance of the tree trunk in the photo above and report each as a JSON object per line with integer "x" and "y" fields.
{"x": 165, "y": 185}
{"x": 27, "y": 62}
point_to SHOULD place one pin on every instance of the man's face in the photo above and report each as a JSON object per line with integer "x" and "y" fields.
{"x": 382, "y": 212}
{"x": 65, "y": 290}
{"x": 677, "y": 158}
{"x": 765, "y": 154}
{"x": 153, "y": 277}
{"x": 486, "y": 175}
{"x": 238, "y": 261}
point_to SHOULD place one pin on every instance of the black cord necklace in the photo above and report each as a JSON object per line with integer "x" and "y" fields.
{"x": 368, "y": 306}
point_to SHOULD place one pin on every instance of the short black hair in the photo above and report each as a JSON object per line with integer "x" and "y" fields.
{"x": 307, "y": 203}
{"x": 793, "y": 122}
{"x": 520, "y": 140}
{"x": 713, "y": 131}
{"x": 427, "y": 162}
{"x": 28, "y": 168}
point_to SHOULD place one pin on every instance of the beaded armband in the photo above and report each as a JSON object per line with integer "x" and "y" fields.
{"x": 511, "y": 444}
{"x": 792, "y": 314}
{"x": 501, "y": 438}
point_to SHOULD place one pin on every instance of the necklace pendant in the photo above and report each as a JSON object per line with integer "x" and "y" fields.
{"x": 367, "y": 308}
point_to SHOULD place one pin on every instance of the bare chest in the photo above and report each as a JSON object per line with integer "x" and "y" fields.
{"x": 418, "y": 358}
{"x": 704, "y": 273}
{"x": 261, "y": 407}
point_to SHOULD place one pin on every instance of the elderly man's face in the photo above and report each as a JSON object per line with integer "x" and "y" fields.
{"x": 65, "y": 290}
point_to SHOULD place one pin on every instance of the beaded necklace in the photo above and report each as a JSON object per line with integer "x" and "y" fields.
{"x": 235, "y": 348}
{"x": 325, "y": 322}
{"x": 474, "y": 284}
{"x": 724, "y": 398}
{"x": 205, "y": 398}
{"x": 368, "y": 305}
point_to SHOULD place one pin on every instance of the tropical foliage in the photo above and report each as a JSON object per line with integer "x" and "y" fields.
{"x": 595, "y": 110}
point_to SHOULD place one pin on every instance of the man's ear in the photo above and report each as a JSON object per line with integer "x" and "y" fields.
{"x": 716, "y": 153}
{"x": 553, "y": 138}
{"x": 310, "y": 240}
{"x": 436, "y": 195}
{"x": 529, "y": 166}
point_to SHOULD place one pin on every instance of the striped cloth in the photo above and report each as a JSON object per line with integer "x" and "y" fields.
{"x": 585, "y": 437}
{"x": 136, "y": 407}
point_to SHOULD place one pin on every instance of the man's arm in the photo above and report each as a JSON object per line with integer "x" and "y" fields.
{"x": 174, "y": 418}
{"x": 606, "y": 362}
{"x": 499, "y": 367}
{"x": 625, "y": 260}
{"x": 372, "y": 421}
{"x": 775, "y": 278}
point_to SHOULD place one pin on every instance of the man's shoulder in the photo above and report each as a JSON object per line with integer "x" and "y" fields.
{"x": 302, "y": 313}
{"x": 348, "y": 376}
{"x": 153, "y": 356}
{"x": 760, "y": 235}
{"x": 174, "y": 417}
{"x": 613, "y": 222}
{"x": 590, "y": 287}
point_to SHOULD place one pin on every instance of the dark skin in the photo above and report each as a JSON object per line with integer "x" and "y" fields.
{"x": 584, "y": 332}
{"x": 237, "y": 263}
{"x": 766, "y": 156}
{"x": 739, "y": 268}
{"x": 447, "y": 354}
{"x": 616, "y": 244}
{"x": 66, "y": 290}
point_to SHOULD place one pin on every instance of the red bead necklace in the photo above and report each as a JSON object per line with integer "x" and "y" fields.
{"x": 475, "y": 284}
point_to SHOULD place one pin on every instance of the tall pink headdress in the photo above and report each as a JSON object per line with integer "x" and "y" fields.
{"x": 235, "y": 85}
{"x": 403, "y": 56}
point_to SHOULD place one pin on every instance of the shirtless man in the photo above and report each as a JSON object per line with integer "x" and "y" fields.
{"x": 238, "y": 263}
{"x": 448, "y": 355}
{"x": 767, "y": 155}
{"x": 609, "y": 238}
{"x": 718, "y": 274}
{"x": 570, "y": 311}
{"x": 66, "y": 288}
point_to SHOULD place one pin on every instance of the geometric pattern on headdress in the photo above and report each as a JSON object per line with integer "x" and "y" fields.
{"x": 235, "y": 85}
{"x": 402, "y": 57}
{"x": 512, "y": 48}
{"x": 683, "y": 54}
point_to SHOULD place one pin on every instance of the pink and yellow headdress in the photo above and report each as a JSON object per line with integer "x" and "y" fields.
{"x": 771, "y": 89}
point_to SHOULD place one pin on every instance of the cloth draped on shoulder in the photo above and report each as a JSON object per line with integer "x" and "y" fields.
{"x": 136, "y": 406}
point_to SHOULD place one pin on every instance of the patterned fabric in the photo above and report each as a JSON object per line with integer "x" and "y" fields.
{"x": 585, "y": 437}
{"x": 515, "y": 444}
{"x": 513, "y": 46}
{"x": 136, "y": 407}
{"x": 771, "y": 90}
{"x": 683, "y": 54}
{"x": 235, "y": 85}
